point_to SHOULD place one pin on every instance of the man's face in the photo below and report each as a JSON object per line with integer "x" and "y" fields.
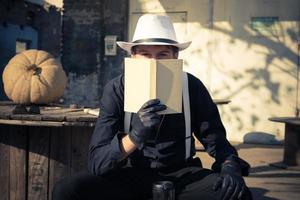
{"x": 154, "y": 52}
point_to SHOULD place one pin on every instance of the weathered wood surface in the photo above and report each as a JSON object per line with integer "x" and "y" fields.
{"x": 79, "y": 152}
{"x": 18, "y": 155}
{"x": 4, "y": 163}
{"x": 33, "y": 159}
{"x": 287, "y": 120}
{"x": 36, "y": 151}
{"x": 38, "y": 163}
{"x": 60, "y": 155}
{"x": 49, "y": 116}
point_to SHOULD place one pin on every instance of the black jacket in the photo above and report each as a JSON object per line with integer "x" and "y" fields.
{"x": 166, "y": 148}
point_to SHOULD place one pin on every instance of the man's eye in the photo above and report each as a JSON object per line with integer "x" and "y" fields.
{"x": 163, "y": 55}
{"x": 145, "y": 54}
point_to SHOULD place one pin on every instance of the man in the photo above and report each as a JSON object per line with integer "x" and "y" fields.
{"x": 125, "y": 164}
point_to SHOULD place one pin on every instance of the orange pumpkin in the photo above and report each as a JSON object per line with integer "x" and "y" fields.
{"x": 34, "y": 76}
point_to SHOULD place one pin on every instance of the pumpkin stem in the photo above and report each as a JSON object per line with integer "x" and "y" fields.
{"x": 36, "y": 70}
{"x": 32, "y": 67}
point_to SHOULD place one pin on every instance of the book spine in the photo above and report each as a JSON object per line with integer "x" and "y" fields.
{"x": 153, "y": 77}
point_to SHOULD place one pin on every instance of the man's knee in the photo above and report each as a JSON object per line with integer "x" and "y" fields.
{"x": 70, "y": 187}
{"x": 248, "y": 194}
{"x": 63, "y": 189}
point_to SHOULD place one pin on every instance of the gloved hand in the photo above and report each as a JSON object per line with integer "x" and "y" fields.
{"x": 230, "y": 182}
{"x": 146, "y": 121}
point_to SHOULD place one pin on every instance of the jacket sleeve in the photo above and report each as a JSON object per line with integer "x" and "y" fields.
{"x": 105, "y": 153}
{"x": 208, "y": 127}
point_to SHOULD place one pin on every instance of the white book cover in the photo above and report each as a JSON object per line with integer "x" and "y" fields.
{"x": 147, "y": 79}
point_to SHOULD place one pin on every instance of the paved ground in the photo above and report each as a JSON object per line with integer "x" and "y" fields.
{"x": 266, "y": 182}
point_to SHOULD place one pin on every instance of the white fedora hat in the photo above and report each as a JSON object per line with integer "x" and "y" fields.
{"x": 154, "y": 29}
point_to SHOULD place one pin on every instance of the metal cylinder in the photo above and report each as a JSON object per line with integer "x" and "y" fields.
{"x": 163, "y": 190}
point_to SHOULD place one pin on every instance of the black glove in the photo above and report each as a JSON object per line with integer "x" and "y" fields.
{"x": 230, "y": 182}
{"x": 145, "y": 122}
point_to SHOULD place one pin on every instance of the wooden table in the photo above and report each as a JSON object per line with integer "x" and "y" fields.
{"x": 221, "y": 101}
{"x": 291, "y": 156}
{"x": 38, "y": 150}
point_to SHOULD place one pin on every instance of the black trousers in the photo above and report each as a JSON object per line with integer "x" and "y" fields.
{"x": 130, "y": 183}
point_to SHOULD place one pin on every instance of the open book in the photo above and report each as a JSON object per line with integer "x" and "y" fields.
{"x": 147, "y": 79}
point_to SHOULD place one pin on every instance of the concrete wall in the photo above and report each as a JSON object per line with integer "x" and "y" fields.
{"x": 244, "y": 51}
{"x": 85, "y": 25}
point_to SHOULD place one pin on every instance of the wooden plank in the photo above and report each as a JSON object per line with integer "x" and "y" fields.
{"x": 4, "y": 162}
{"x": 50, "y": 116}
{"x": 71, "y": 118}
{"x": 54, "y": 114}
{"x": 6, "y": 109}
{"x": 80, "y": 124}
{"x": 4, "y": 116}
{"x": 221, "y": 101}
{"x": 60, "y": 155}
{"x": 18, "y": 163}
{"x": 289, "y": 120}
{"x": 5, "y": 103}
{"x": 38, "y": 163}
{"x": 92, "y": 111}
{"x": 55, "y": 118}
{"x": 80, "y": 144}
{"x": 30, "y": 123}
{"x": 46, "y": 123}
{"x": 86, "y": 119}
{"x": 27, "y": 117}
{"x": 60, "y": 111}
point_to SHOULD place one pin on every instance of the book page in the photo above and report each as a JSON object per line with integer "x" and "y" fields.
{"x": 169, "y": 84}
{"x": 137, "y": 86}
{"x": 147, "y": 79}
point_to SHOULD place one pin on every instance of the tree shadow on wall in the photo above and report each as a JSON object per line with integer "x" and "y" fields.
{"x": 257, "y": 78}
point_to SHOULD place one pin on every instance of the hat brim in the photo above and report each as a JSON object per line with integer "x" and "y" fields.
{"x": 128, "y": 45}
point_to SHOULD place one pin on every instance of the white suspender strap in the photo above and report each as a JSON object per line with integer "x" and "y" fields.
{"x": 127, "y": 120}
{"x": 187, "y": 115}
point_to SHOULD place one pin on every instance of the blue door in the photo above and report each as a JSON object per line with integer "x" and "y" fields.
{"x": 14, "y": 39}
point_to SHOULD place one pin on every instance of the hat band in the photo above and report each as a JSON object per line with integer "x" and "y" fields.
{"x": 156, "y": 40}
